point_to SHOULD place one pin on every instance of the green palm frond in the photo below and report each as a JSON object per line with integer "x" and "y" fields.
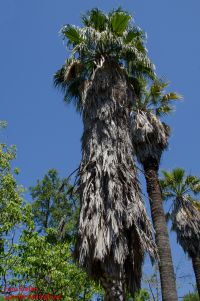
{"x": 95, "y": 19}
{"x": 171, "y": 96}
{"x": 119, "y": 39}
{"x": 119, "y": 21}
{"x": 3, "y": 124}
{"x": 72, "y": 33}
{"x": 179, "y": 184}
{"x": 103, "y": 37}
{"x": 193, "y": 183}
{"x": 132, "y": 35}
{"x": 178, "y": 175}
{"x": 168, "y": 178}
{"x": 185, "y": 215}
{"x": 138, "y": 63}
{"x": 153, "y": 98}
{"x": 172, "y": 183}
{"x": 156, "y": 90}
{"x": 164, "y": 110}
{"x": 164, "y": 105}
{"x": 139, "y": 85}
{"x": 166, "y": 186}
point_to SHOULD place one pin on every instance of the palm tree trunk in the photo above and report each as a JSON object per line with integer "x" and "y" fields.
{"x": 113, "y": 283}
{"x": 104, "y": 181}
{"x": 168, "y": 283}
{"x": 196, "y": 267}
{"x": 114, "y": 291}
{"x": 111, "y": 211}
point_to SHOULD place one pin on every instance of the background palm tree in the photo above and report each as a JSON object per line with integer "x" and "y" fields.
{"x": 185, "y": 214}
{"x": 114, "y": 230}
{"x": 150, "y": 139}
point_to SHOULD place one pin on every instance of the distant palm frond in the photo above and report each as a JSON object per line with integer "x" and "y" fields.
{"x": 186, "y": 222}
{"x": 181, "y": 188}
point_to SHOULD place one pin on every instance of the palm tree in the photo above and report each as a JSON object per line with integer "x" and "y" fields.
{"x": 185, "y": 214}
{"x": 150, "y": 139}
{"x": 114, "y": 230}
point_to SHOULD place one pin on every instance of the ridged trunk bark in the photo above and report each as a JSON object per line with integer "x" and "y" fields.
{"x": 167, "y": 277}
{"x": 196, "y": 267}
{"x": 114, "y": 290}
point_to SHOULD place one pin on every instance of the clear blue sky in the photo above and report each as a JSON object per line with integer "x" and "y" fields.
{"x": 46, "y": 132}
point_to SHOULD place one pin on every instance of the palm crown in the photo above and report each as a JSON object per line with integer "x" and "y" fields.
{"x": 185, "y": 215}
{"x": 150, "y": 135}
{"x": 153, "y": 98}
{"x": 103, "y": 37}
{"x": 177, "y": 184}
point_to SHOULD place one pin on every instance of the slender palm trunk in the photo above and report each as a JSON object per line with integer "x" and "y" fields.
{"x": 196, "y": 267}
{"x": 168, "y": 283}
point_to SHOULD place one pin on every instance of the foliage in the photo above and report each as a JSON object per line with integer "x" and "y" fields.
{"x": 46, "y": 258}
{"x": 191, "y": 297}
{"x": 10, "y": 198}
{"x": 55, "y": 204}
{"x": 13, "y": 213}
{"x": 150, "y": 135}
{"x": 3, "y": 124}
{"x": 103, "y": 37}
{"x": 177, "y": 184}
{"x": 153, "y": 98}
{"x": 50, "y": 268}
{"x": 182, "y": 190}
{"x": 114, "y": 230}
{"x": 43, "y": 260}
{"x": 142, "y": 295}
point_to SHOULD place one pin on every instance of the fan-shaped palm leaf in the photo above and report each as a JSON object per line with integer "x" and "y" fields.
{"x": 96, "y": 19}
{"x": 119, "y": 21}
{"x": 185, "y": 216}
{"x": 105, "y": 37}
{"x": 73, "y": 34}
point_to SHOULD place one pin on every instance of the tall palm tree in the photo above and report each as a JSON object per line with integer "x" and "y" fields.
{"x": 114, "y": 230}
{"x": 185, "y": 215}
{"x": 150, "y": 139}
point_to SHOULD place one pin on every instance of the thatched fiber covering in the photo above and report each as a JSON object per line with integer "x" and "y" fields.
{"x": 114, "y": 230}
{"x": 149, "y": 134}
{"x": 186, "y": 222}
